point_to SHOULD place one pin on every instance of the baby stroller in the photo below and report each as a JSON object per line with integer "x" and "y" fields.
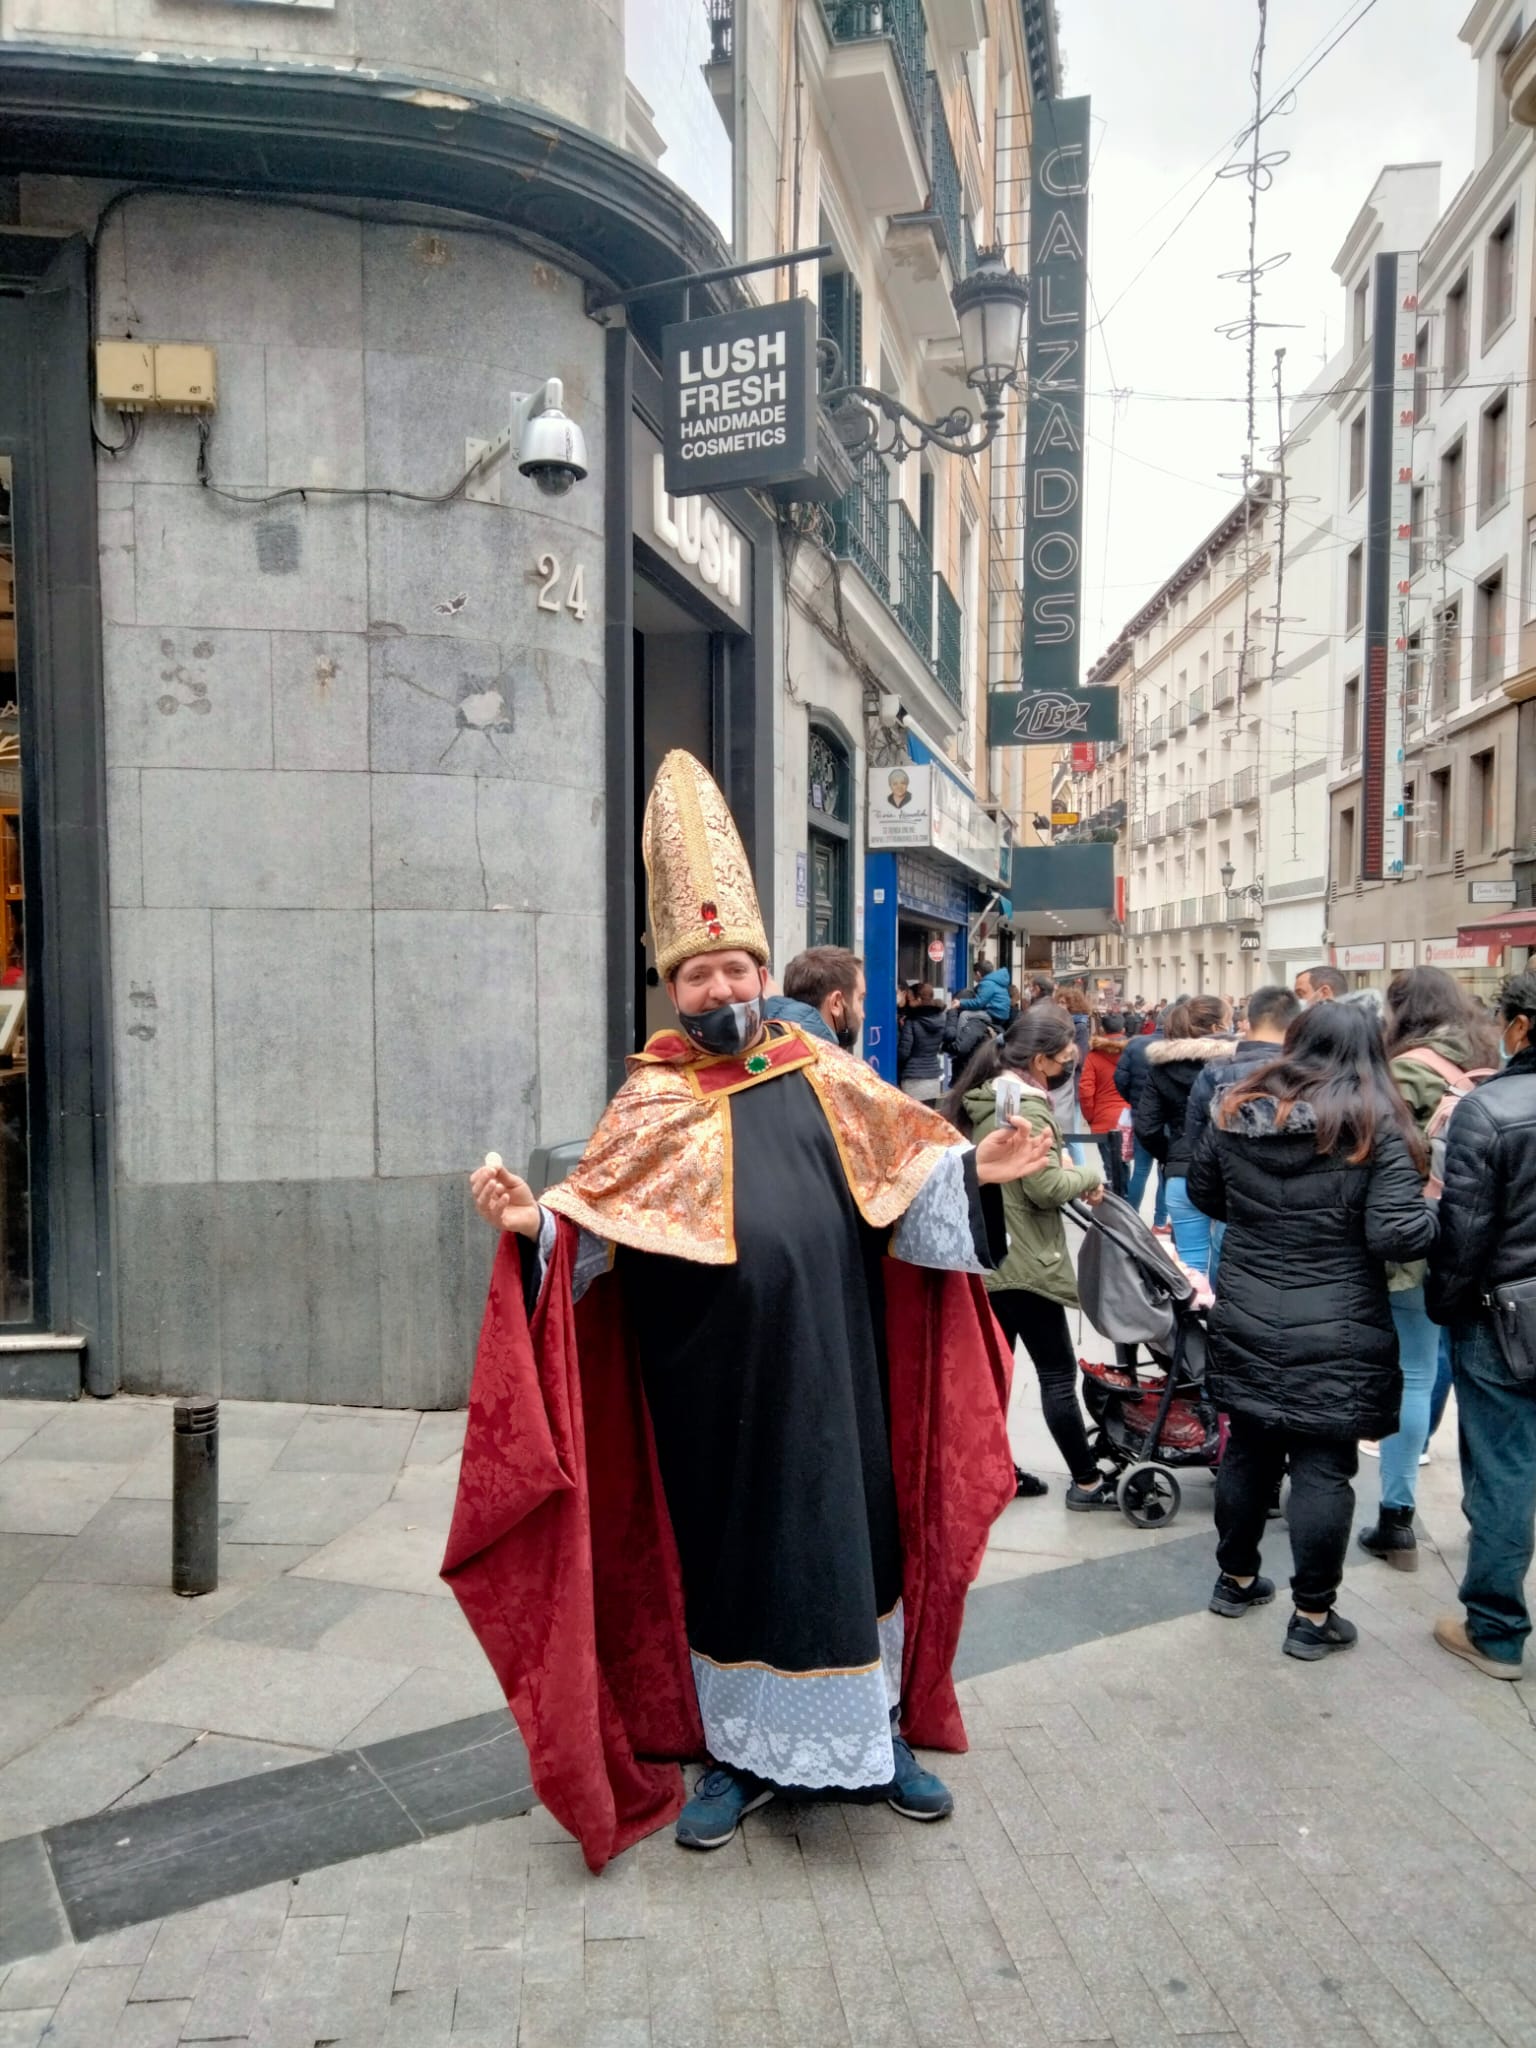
{"x": 1152, "y": 1419}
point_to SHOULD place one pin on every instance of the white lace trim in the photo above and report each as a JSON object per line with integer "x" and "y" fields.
{"x": 935, "y": 1229}
{"x": 817, "y": 1729}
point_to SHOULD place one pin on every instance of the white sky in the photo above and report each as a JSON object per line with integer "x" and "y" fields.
{"x": 1170, "y": 85}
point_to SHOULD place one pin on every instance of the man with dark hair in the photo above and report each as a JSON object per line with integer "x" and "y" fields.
{"x": 1486, "y": 1248}
{"x": 1321, "y": 984}
{"x": 830, "y": 980}
{"x": 1270, "y": 1011}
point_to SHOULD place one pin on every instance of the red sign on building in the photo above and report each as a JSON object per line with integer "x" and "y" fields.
{"x": 1084, "y": 757}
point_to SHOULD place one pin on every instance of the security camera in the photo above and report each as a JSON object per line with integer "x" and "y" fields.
{"x": 551, "y": 448}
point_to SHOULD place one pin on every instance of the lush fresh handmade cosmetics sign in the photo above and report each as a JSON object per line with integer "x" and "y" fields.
{"x": 739, "y": 399}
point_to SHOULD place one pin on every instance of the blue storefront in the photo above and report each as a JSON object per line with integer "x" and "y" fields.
{"x": 945, "y": 894}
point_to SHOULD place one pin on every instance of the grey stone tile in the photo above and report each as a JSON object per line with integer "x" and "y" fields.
{"x": 24, "y": 2029}
{"x": 23, "y": 1561}
{"x": 430, "y": 1955}
{"x": 289, "y": 1614}
{"x": 437, "y": 1437}
{"x": 425, "y": 852}
{"x": 293, "y": 566}
{"x": 97, "y": 1432}
{"x": 53, "y": 1497}
{"x": 326, "y": 1442}
{"x": 573, "y": 1080}
{"x": 320, "y": 700}
{"x": 213, "y": 1760}
{"x": 544, "y": 846}
{"x": 432, "y": 1291}
{"x": 471, "y": 572}
{"x": 439, "y": 705}
{"x": 268, "y": 1694}
{"x": 312, "y": 295}
{"x": 166, "y": 451}
{"x": 466, "y": 296}
{"x": 126, "y": 1543}
{"x": 161, "y": 2025}
{"x": 180, "y": 697}
{"x": 162, "y": 972}
{"x": 227, "y": 1995}
{"x": 182, "y": 1951}
{"x": 89, "y": 2013}
{"x": 321, "y": 1332}
{"x": 116, "y": 553}
{"x": 433, "y": 1117}
{"x": 309, "y": 1507}
{"x": 168, "y": 1288}
{"x": 244, "y": 1463}
{"x": 125, "y": 859}
{"x": 420, "y": 413}
{"x": 429, "y": 1699}
{"x": 414, "y": 1628}
{"x": 32, "y": 1919}
{"x": 293, "y": 995}
{"x": 557, "y": 701}
{"x": 315, "y": 422}
{"x": 38, "y": 1982}
{"x": 240, "y": 839}
{"x": 301, "y": 1963}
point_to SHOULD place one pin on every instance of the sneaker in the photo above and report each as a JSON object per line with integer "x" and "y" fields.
{"x": 1392, "y": 1539}
{"x": 1231, "y": 1599}
{"x": 1311, "y": 1640}
{"x": 1084, "y": 1498}
{"x": 1162, "y": 1230}
{"x": 1451, "y": 1634}
{"x": 1026, "y": 1486}
{"x": 1369, "y": 1447}
{"x": 721, "y": 1801}
{"x": 917, "y": 1794}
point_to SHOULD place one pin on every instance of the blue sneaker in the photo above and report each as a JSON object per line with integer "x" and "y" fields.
{"x": 721, "y": 1801}
{"x": 917, "y": 1794}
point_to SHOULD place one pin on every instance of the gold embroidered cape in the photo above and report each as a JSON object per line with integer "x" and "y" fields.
{"x": 657, "y": 1174}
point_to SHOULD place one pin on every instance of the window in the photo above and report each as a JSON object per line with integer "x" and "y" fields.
{"x": 1493, "y": 456}
{"x": 1420, "y": 376}
{"x": 1354, "y": 589}
{"x": 1437, "y": 826}
{"x": 1360, "y": 315}
{"x": 1458, "y": 331}
{"x": 1416, "y": 516}
{"x": 1413, "y": 707}
{"x": 1344, "y": 872}
{"x": 1499, "y": 277}
{"x": 1356, "y": 455}
{"x": 1488, "y": 662}
{"x": 1480, "y": 805}
{"x": 1500, "y": 96}
{"x": 1410, "y": 828}
{"x": 1453, "y": 497}
{"x": 1530, "y": 568}
{"x": 1351, "y": 718}
{"x": 842, "y": 321}
{"x": 1447, "y": 659}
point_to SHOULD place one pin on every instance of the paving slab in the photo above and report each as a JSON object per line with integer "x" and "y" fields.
{"x": 291, "y": 1613}
{"x": 81, "y": 1769}
{"x": 398, "y": 1547}
{"x": 259, "y": 1691}
{"x": 52, "y": 1496}
{"x": 349, "y": 1442}
{"x": 212, "y": 1760}
{"x": 307, "y": 1507}
{"x": 23, "y": 1561}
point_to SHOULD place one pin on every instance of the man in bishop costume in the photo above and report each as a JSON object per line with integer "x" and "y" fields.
{"x": 737, "y": 1430}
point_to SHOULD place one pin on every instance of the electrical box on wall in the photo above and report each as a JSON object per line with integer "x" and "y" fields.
{"x": 184, "y": 377}
{"x": 143, "y": 376}
{"x": 125, "y": 375}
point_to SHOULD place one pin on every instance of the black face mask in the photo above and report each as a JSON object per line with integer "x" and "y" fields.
{"x": 729, "y": 1029}
{"x": 847, "y": 1039}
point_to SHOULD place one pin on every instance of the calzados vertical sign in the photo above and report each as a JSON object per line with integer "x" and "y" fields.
{"x": 1058, "y": 338}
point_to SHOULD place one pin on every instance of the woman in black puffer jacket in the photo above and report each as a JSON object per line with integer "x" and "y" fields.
{"x": 1316, "y": 1167}
{"x": 1198, "y": 1032}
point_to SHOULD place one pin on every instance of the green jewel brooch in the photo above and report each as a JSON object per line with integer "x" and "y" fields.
{"x": 759, "y": 1063}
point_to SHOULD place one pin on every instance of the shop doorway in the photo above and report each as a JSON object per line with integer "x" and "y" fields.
{"x": 676, "y": 664}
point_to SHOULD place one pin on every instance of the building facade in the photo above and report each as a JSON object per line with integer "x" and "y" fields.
{"x": 322, "y": 751}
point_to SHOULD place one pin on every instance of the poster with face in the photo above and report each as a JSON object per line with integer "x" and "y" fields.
{"x": 900, "y": 806}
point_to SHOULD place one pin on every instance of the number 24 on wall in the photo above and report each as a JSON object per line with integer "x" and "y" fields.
{"x": 550, "y": 600}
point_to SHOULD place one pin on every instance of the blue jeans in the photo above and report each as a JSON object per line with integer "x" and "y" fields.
{"x": 1141, "y": 1167}
{"x": 1497, "y": 1414}
{"x": 1418, "y": 1351}
{"x": 1191, "y": 1228}
{"x": 1442, "y": 1392}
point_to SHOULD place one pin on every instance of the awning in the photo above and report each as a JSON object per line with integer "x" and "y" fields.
{"x": 1514, "y": 928}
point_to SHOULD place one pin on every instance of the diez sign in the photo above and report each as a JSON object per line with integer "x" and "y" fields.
{"x": 1058, "y": 332}
{"x": 1045, "y": 718}
{"x": 739, "y": 399}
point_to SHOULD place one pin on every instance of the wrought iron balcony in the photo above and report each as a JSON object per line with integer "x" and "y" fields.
{"x": 1158, "y": 731}
{"x": 901, "y": 23}
{"x": 861, "y": 525}
{"x": 1178, "y": 718}
{"x": 1213, "y": 908}
{"x": 1139, "y": 748}
{"x": 1155, "y": 825}
{"x": 721, "y": 16}
{"x": 945, "y": 198}
{"x": 1245, "y": 786}
{"x": 946, "y": 653}
{"x": 1218, "y": 798}
{"x": 913, "y": 601}
{"x": 1194, "y": 807}
{"x": 1223, "y": 687}
{"x": 1189, "y": 911}
{"x": 1199, "y": 704}
{"x": 1173, "y": 817}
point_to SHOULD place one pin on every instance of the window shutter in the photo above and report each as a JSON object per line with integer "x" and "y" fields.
{"x": 842, "y": 318}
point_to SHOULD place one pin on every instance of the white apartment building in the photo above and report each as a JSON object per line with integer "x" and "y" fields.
{"x": 1192, "y": 668}
{"x": 1472, "y": 568}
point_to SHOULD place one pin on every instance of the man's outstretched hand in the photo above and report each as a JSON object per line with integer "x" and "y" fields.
{"x": 1014, "y": 1152}
{"x": 504, "y": 1201}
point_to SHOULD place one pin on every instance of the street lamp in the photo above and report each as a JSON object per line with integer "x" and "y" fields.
{"x": 1252, "y": 893}
{"x": 990, "y": 304}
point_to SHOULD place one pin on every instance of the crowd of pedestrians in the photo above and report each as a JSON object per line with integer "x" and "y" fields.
{"x": 1353, "y": 1175}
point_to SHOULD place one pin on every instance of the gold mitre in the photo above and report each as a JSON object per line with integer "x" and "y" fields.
{"x": 701, "y": 894}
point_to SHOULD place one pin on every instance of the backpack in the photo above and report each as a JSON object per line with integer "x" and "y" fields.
{"x": 1459, "y": 1084}
{"x": 973, "y": 1029}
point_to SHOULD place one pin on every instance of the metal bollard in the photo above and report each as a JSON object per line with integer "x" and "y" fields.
{"x": 195, "y": 1498}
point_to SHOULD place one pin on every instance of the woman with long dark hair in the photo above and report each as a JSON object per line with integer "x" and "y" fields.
{"x": 1435, "y": 1040}
{"x": 1316, "y": 1167}
{"x": 1034, "y": 1286}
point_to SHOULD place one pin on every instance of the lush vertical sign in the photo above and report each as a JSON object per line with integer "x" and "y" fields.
{"x": 1058, "y": 349}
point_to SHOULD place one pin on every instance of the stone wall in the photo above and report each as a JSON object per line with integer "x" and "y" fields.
{"x": 355, "y": 796}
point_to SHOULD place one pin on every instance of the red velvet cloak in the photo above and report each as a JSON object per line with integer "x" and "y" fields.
{"x": 562, "y": 1557}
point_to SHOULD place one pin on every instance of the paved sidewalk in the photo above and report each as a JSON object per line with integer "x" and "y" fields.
{"x": 1166, "y": 1832}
